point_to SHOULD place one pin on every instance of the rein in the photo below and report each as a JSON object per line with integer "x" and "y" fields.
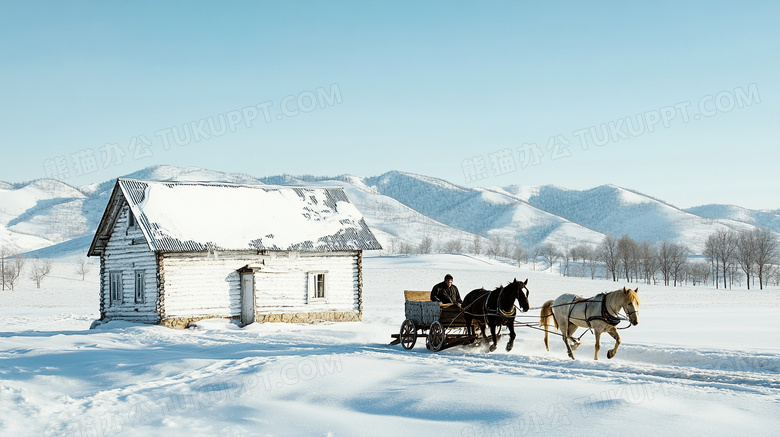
{"x": 486, "y": 312}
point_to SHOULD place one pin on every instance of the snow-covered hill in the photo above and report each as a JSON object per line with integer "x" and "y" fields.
{"x": 764, "y": 219}
{"x": 52, "y": 217}
{"x": 392, "y": 222}
{"x": 481, "y": 211}
{"x": 40, "y": 213}
{"x": 613, "y": 210}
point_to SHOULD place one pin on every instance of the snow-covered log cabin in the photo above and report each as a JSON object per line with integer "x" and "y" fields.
{"x": 176, "y": 252}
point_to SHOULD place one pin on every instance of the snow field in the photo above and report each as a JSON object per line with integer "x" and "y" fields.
{"x": 700, "y": 362}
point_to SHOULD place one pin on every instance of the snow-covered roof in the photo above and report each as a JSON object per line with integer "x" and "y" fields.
{"x": 199, "y": 216}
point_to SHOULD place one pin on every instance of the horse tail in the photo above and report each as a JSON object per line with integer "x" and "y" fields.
{"x": 547, "y": 313}
{"x": 544, "y": 319}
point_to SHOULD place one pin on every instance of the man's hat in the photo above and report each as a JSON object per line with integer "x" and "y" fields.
{"x": 447, "y": 276}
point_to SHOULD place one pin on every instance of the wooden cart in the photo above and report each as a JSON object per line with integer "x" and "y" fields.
{"x": 442, "y": 326}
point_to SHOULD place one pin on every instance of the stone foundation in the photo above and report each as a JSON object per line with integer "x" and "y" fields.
{"x": 184, "y": 322}
{"x": 349, "y": 316}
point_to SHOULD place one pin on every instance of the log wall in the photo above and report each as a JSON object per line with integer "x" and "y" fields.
{"x": 126, "y": 253}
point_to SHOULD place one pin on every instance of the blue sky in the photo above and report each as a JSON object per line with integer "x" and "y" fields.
{"x": 478, "y": 94}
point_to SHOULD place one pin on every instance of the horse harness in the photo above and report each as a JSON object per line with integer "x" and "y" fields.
{"x": 499, "y": 312}
{"x": 605, "y": 316}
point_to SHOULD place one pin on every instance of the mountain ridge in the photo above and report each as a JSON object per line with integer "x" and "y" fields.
{"x": 402, "y": 208}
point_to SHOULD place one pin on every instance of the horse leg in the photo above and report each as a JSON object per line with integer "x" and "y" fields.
{"x": 613, "y": 332}
{"x": 495, "y": 340}
{"x": 574, "y": 342}
{"x": 469, "y": 326}
{"x": 511, "y": 326}
{"x": 565, "y": 336}
{"x": 483, "y": 329}
{"x": 473, "y": 332}
{"x": 598, "y": 344}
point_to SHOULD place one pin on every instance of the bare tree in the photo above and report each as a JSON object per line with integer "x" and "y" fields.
{"x": 477, "y": 245}
{"x": 567, "y": 256}
{"x": 519, "y": 254}
{"x": 453, "y": 246}
{"x": 666, "y": 260}
{"x": 550, "y": 253}
{"x": 589, "y": 253}
{"x": 699, "y": 272}
{"x": 609, "y": 255}
{"x": 672, "y": 261}
{"x": 679, "y": 262}
{"x": 11, "y": 270}
{"x": 40, "y": 269}
{"x": 393, "y": 245}
{"x": 425, "y": 245}
{"x": 626, "y": 253}
{"x": 773, "y": 275}
{"x": 648, "y": 260}
{"x": 536, "y": 253}
{"x": 405, "y": 248}
{"x": 8, "y": 268}
{"x": 734, "y": 275}
{"x": 495, "y": 246}
{"x": 83, "y": 267}
{"x": 723, "y": 245}
{"x": 746, "y": 254}
{"x": 3, "y": 254}
{"x": 580, "y": 252}
{"x": 767, "y": 253}
{"x": 711, "y": 254}
{"x": 505, "y": 251}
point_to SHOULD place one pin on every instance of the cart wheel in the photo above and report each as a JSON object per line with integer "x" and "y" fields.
{"x": 436, "y": 336}
{"x": 408, "y": 335}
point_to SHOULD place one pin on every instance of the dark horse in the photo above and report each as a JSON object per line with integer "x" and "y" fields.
{"x": 495, "y": 308}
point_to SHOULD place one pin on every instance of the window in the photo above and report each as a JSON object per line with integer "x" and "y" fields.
{"x": 115, "y": 287}
{"x": 317, "y": 286}
{"x": 130, "y": 219}
{"x": 139, "y": 286}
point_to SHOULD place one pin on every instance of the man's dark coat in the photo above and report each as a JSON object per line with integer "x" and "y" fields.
{"x": 442, "y": 293}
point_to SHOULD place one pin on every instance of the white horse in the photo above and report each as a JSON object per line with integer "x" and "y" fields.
{"x": 599, "y": 312}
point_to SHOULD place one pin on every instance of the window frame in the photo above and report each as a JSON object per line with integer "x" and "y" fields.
{"x": 139, "y": 288}
{"x": 115, "y": 285}
{"x": 317, "y": 286}
{"x": 132, "y": 223}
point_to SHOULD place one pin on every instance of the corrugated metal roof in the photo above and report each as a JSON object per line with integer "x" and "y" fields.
{"x": 202, "y": 216}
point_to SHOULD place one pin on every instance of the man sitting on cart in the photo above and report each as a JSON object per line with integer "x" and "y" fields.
{"x": 445, "y": 292}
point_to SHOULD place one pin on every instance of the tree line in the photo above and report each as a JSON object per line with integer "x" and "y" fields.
{"x": 729, "y": 257}
{"x": 496, "y": 246}
{"x": 12, "y": 268}
{"x": 756, "y": 253}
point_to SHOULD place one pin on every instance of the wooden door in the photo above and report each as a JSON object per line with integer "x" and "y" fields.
{"x": 247, "y": 298}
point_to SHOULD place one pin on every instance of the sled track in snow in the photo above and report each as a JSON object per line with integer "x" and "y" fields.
{"x": 744, "y": 372}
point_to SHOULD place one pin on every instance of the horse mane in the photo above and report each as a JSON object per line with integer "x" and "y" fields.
{"x": 632, "y": 297}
